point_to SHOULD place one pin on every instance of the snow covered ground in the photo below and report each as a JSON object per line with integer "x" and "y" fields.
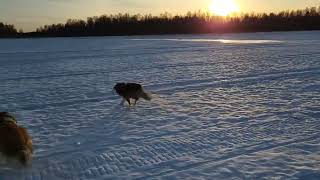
{"x": 236, "y": 106}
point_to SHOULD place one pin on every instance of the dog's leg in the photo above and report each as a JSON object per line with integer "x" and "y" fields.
{"x": 135, "y": 101}
{"x": 128, "y": 100}
{"x": 122, "y": 102}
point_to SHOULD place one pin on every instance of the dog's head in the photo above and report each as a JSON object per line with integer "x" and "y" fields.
{"x": 119, "y": 86}
{"x": 5, "y": 117}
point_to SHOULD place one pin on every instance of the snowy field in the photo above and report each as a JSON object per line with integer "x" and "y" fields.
{"x": 243, "y": 106}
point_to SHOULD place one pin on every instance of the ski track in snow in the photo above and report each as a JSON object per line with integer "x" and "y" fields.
{"x": 219, "y": 111}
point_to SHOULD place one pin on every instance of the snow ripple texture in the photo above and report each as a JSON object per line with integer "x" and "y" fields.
{"x": 237, "y": 106}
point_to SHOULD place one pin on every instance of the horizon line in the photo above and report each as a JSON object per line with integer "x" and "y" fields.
{"x": 234, "y": 14}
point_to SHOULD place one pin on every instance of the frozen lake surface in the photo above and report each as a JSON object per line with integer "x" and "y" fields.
{"x": 235, "y": 106}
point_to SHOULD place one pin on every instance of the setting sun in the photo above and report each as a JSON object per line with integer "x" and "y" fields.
{"x": 223, "y": 7}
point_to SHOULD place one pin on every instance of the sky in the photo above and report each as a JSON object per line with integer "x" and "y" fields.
{"x": 30, "y": 14}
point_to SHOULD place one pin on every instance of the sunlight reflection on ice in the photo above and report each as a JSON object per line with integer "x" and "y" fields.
{"x": 226, "y": 41}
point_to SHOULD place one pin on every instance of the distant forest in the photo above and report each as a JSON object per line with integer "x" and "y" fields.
{"x": 190, "y": 23}
{"x": 7, "y": 30}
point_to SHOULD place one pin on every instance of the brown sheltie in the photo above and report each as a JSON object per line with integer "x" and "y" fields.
{"x": 15, "y": 142}
{"x": 131, "y": 91}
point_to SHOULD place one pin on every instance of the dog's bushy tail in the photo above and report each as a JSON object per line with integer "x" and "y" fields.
{"x": 146, "y": 96}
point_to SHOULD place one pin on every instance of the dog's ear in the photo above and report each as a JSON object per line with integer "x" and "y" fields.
{"x": 118, "y": 85}
{"x": 6, "y": 116}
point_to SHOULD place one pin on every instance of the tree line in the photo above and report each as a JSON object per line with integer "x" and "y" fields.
{"x": 197, "y": 22}
{"x": 7, "y": 30}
